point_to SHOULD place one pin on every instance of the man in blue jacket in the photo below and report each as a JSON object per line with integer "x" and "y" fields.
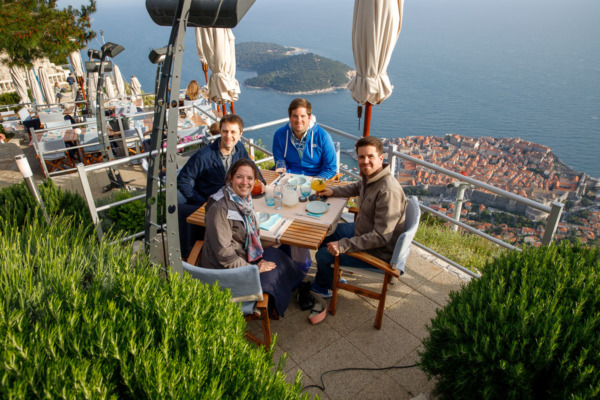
{"x": 305, "y": 147}
{"x": 204, "y": 173}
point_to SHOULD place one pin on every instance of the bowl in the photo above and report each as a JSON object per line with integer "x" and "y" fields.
{"x": 297, "y": 181}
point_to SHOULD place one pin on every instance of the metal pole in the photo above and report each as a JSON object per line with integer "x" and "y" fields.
{"x": 89, "y": 197}
{"x": 460, "y": 198}
{"x": 552, "y": 222}
{"x": 25, "y": 170}
{"x": 367, "y": 127}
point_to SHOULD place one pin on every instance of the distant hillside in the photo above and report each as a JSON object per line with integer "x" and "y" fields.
{"x": 279, "y": 70}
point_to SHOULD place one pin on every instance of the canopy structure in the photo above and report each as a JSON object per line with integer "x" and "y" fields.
{"x": 18, "y": 77}
{"x": 110, "y": 89}
{"x": 47, "y": 87}
{"x": 218, "y": 46}
{"x": 119, "y": 81}
{"x": 34, "y": 85}
{"x": 375, "y": 29}
{"x": 136, "y": 86}
{"x": 201, "y": 54}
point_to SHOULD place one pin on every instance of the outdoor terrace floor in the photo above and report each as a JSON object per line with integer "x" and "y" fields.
{"x": 345, "y": 340}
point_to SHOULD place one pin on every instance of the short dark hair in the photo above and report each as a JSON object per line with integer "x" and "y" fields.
{"x": 297, "y": 103}
{"x": 242, "y": 162}
{"x": 370, "y": 141}
{"x": 232, "y": 119}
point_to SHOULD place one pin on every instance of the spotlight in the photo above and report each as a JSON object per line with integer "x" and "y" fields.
{"x": 94, "y": 66}
{"x": 158, "y": 55}
{"x": 111, "y": 49}
{"x": 94, "y": 54}
{"x": 203, "y": 13}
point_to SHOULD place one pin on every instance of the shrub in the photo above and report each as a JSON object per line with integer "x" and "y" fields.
{"x": 82, "y": 319}
{"x": 128, "y": 218}
{"x": 17, "y": 203}
{"x": 528, "y": 329}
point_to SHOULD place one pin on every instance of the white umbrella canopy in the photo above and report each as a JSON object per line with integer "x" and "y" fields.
{"x": 201, "y": 54}
{"x": 119, "y": 81}
{"x": 136, "y": 87}
{"x": 110, "y": 89}
{"x": 46, "y": 85}
{"x": 375, "y": 29}
{"x": 36, "y": 92}
{"x": 18, "y": 77}
{"x": 76, "y": 63}
{"x": 218, "y": 46}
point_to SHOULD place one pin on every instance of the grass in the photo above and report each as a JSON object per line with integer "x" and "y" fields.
{"x": 468, "y": 250}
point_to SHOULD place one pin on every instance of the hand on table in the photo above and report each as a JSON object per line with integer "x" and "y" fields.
{"x": 327, "y": 192}
{"x": 265, "y": 266}
{"x": 333, "y": 247}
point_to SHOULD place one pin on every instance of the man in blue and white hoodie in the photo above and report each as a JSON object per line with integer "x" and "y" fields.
{"x": 305, "y": 147}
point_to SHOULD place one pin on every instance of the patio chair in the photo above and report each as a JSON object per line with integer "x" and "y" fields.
{"x": 54, "y": 161}
{"x": 381, "y": 268}
{"x": 244, "y": 284}
{"x": 91, "y": 152}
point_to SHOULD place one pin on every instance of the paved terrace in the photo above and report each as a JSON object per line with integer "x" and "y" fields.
{"x": 345, "y": 340}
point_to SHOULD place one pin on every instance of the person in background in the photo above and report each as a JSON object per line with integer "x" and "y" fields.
{"x": 71, "y": 80}
{"x": 378, "y": 224}
{"x": 57, "y": 92}
{"x": 232, "y": 238}
{"x": 193, "y": 91}
{"x": 305, "y": 147}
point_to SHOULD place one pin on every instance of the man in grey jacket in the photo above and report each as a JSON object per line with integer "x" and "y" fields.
{"x": 378, "y": 224}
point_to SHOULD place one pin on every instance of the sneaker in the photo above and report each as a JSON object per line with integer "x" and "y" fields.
{"x": 321, "y": 291}
{"x": 342, "y": 280}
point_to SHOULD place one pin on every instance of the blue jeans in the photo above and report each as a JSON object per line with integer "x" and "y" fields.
{"x": 324, "y": 277}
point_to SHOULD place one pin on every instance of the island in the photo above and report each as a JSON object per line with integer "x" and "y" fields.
{"x": 290, "y": 70}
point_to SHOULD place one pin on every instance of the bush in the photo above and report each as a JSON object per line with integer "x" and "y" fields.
{"x": 528, "y": 329}
{"x": 16, "y": 203}
{"x": 128, "y": 218}
{"x": 82, "y": 319}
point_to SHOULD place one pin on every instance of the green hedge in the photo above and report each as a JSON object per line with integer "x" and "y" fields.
{"x": 79, "y": 319}
{"x": 16, "y": 203}
{"x": 528, "y": 329}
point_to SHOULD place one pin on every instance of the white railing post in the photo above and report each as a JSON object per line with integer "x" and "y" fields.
{"x": 251, "y": 148}
{"x": 392, "y": 158}
{"x": 337, "y": 156}
{"x": 89, "y": 197}
{"x": 552, "y": 223}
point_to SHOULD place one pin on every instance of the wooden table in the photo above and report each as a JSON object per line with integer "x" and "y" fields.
{"x": 300, "y": 233}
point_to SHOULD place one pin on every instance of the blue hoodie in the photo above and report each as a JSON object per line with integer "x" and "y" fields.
{"x": 318, "y": 157}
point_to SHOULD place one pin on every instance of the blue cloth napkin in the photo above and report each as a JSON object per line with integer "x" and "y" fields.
{"x": 268, "y": 224}
{"x": 313, "y": 214}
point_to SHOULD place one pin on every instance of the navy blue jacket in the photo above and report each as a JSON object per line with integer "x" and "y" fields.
{"x": 204, "y": 174}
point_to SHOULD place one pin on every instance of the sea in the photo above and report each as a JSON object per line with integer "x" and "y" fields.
{"x": 494, "y": 68}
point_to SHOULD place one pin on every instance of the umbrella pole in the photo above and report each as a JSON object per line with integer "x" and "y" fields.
{"x": 205, "y": 69}
{"x": 224, "y": 109}
{"x": 232, "y": 108}
{"x": 367, "y": 124}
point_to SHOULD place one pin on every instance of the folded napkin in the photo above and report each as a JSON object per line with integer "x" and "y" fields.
{"x": 314, "y": 214}
{"x": 271, "y": 222}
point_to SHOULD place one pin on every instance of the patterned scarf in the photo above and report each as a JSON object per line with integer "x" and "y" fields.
{"x": 252, "y": 245}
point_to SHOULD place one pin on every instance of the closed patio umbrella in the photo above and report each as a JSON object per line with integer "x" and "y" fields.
{"x": 375, "y": 29}
{"x": 18, "y": 77}
{"x": 47, "y": 87}
{"x": 92, "y": 82}
{"x": 110, "y": 89}
{"x": 76, "y": 63}
{"x": 218, "y": 46}
{"x": 119, "y": 81}
{"x": 34, "y": 86}
{"x": 201, "y": 54}
{"x": 136, "y": 86}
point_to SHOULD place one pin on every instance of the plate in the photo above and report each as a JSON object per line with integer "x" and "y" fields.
{"x": 317, "y": 207}
{"x": 297, "y": 181}
{"x": 262, "y": 217}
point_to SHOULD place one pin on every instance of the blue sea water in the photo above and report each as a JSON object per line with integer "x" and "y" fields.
{"x": 498, "y": 68}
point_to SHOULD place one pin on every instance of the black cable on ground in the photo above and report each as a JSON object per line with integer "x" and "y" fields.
{"x": 322, "y": 388}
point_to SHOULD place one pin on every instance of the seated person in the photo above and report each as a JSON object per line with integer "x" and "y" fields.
{"x": 378, "y": 224}
{"x": 204, "y": 173}
{"x": 305, "y": 147}
{"x": 193, "y": 91}
{"x": 232, "y": 237}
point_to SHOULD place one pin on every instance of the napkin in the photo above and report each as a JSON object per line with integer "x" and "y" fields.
{"x": 271, "y": 222}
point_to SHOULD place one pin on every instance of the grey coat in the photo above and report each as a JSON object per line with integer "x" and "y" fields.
{"x": 380, "y": 219}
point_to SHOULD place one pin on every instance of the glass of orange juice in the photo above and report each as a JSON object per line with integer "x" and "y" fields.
{"x": 317, "y": 184}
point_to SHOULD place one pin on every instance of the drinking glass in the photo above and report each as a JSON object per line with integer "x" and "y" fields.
{"x": 305, "y": 189}
{"x": 270, "y": 196}
{"x": 280, "y": 167}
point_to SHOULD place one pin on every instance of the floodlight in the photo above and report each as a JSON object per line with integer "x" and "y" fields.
{"x": 111, "y": 49}
{"x": 94, "y": 54}
{"x": 94, "y": 66}
{"x": 203, "y": 13}
{"x": 158, "y": 55}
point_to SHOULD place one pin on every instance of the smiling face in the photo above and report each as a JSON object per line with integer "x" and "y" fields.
{"x": 242, "y": 181}
{"x": 230, "y": 135}
{"x": 369, "y": 160}
{"x": 300, "y": 120}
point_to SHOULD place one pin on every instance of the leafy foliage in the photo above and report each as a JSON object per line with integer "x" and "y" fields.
{"x": 17, "y": 203}
{"x": 128, "y": 218}
{"x": 32, "y": 29}
{"x": 82, "y": 319}
{"x": 528, "y": 329}
{"x": 289, "y": 73}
